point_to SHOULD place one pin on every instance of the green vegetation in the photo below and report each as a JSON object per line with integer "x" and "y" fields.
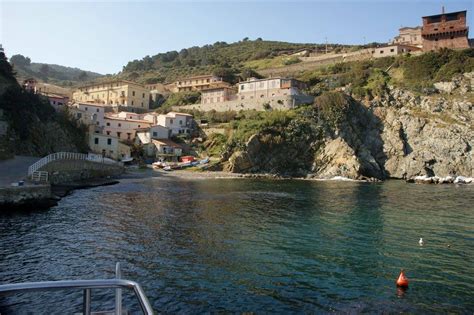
{"x": 369, "y": 78}
{"x": 234, "y": 58}
{"x": 34, "y": 126}
{"x": 56, "y": 74}
{"x": 178, "y": 99}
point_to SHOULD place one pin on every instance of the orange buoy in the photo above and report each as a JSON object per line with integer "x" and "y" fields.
{"x": 402, "y": 280}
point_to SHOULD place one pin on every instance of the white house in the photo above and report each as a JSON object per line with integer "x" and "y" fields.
{"x": 178, "y": 123}
{"x": 109, "y": 146}
{"x": 123, "y": 128}
{"x": 89, "y": 114}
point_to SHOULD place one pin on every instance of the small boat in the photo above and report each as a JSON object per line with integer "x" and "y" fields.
{"x": 87, "y": 287}
{"x": 204, "y": 161}
{"x": 158, "y": 164}
{"x": 127, "y": 160}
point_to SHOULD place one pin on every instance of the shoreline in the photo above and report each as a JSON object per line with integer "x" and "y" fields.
{"x": 188, "y": 174}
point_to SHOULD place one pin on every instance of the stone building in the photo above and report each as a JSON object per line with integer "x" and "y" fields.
{"x": 410, "y": 36}
{"x": 116, "y": 93}
{"x": 221, "y": 93}
{"x": 393, "y": 50}
{"x": 446, "y": 30}
{"x": 267, "y": 88}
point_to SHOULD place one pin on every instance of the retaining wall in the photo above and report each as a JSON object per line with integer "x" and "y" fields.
{"x": 276, "y": 103}
{"x": 65, "y": 171}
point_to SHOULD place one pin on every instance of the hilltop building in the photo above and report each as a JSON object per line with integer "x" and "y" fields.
{"x": 195, "y": 83}
{"x": 393, "y": 50}
{"x": 267, "y": 88}
{"x": 116, "y": 93}
{"x": 409, "y": 36}
{"x": 445, "y": 30}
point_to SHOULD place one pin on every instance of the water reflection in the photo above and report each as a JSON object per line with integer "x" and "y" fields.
{"x": 254, "y": 245}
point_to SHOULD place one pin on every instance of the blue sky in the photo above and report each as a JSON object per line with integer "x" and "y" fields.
{"x": 104, "y": 36}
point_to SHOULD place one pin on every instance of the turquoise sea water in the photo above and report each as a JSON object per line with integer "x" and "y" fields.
{"x": 233, "y": 245}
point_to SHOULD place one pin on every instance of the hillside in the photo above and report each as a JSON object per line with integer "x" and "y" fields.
{"x": 221, "y": 58}
{"x": 33, "y": 127}
{"x": 50, "y": 73}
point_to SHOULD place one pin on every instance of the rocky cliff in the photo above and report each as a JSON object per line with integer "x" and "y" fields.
{"x": 399, "y": 134}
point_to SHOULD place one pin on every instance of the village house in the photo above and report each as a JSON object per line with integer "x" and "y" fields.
{"x": 445, "y": 30}
{"x": 220, "y": 93}
{"x": 195, "y": 83}
{"x": 123, "y": 128}
{"x": 267, "y": 88}
{"x": 155, "y": 142}
{"x": 393, "y": 50}
{"x": 57, "y": 101}
{"x": 178, "y": 123}
{"x": 89, "y": 113}
{"x": 108, "y": 146}
{"x": 121, "y": 92}
{"x": 409, "y": 36}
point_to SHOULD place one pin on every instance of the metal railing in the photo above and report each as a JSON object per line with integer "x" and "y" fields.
{"x": 86, "y": 286}
{"x": 69, "y": 156}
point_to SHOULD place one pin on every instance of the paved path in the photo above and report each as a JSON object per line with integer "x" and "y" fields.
{"x": 15, "y": 169}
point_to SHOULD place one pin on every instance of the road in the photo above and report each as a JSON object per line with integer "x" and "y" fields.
{"x": 15, "y": 169}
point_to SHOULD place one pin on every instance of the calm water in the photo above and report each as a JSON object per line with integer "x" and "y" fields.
{"x": 251, "y": 246}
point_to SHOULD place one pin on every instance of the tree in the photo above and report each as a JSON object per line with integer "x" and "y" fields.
{"x": 245, "y": 39}
{"x": 6, "y": 69}
{"x": 20, "y": 61}
{"x": 44, "y": 70}
{"x": 249, "y": 73}
{"x": 82, "y": 76}
{"x": 226, "y": 74}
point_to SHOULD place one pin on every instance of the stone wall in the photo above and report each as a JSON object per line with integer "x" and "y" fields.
{"x": 276, "y": 103}
{"x": 64, "y": 171}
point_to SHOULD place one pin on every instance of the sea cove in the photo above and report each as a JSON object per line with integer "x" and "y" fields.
{"x": 233, "y": 245}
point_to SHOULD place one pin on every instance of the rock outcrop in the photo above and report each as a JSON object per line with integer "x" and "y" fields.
{"x": 399, "y": 135}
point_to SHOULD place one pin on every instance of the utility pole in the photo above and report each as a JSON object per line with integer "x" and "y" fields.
{"x": 326, "y": 40}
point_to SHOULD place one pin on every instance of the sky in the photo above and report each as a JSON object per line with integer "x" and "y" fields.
{"x": 103, "y": 36}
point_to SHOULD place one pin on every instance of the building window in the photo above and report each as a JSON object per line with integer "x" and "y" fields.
{"x": 86, "y": 108}
{"x": 171, "y": 121}
{"x": 108, "y": 124}
{"x": 381, "y": 51}
{"x": 109, "y": 141}
{"x": 130, "y": 117}
{"x": 143, "y": 95}
{"x": 108, "y": 133}
{"x": 180, "y": 122}
{"x": 118, "y": 134}
{"x": 132, "y": 103}
{"x": 96, "y": 140}
{"x": 120, "y": 125}
{"x": 133, "y": 93}
{"x": 392, "y": 50}
{"x": 128, "y": 135}
{"x": 242, "y": 87}
{"x": 97, "y": 110}
{"x": 155, "y": 134}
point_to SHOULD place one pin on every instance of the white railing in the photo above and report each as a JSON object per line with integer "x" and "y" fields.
{"x": 69, "y": 156}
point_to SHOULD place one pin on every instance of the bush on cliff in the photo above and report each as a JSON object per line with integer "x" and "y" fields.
{"x": 332, "y": 107}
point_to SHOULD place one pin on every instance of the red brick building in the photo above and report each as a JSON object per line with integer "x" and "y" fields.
{"x": 446, "y": 30}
